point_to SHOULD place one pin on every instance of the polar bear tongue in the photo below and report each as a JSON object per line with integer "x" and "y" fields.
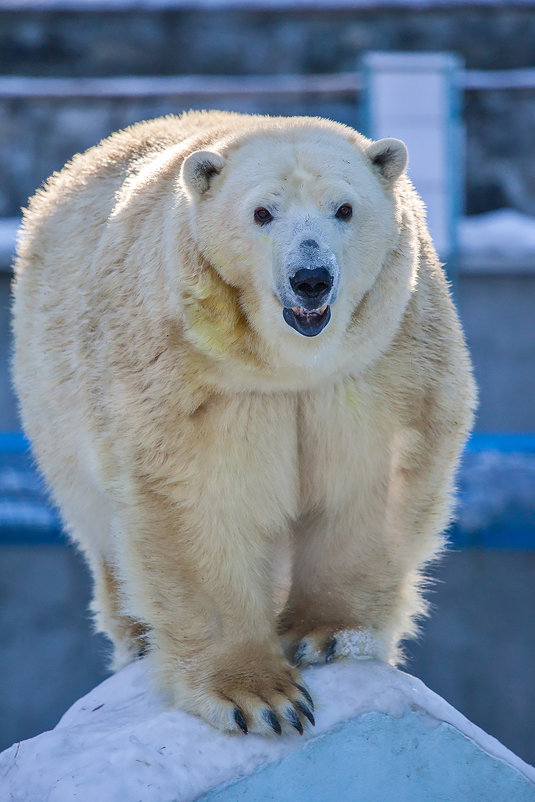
{"x": 308, "y": 322}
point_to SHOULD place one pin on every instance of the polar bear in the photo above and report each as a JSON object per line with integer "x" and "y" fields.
{"x": 238, "y": 361}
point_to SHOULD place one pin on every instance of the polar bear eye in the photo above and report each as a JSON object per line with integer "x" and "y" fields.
{"x": 262, "y": 216}
{"x": 344, "y": 212}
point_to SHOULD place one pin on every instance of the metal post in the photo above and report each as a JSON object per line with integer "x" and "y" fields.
{"x": 416, "y": 97}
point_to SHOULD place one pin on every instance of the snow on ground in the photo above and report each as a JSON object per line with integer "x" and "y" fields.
{"x": 120, "y": 742}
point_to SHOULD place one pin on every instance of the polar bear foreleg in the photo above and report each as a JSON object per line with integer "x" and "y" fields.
{"x": 356, "y": 582}
{"x": 206, "y": 593}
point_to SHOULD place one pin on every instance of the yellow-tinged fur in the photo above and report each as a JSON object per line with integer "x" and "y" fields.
{"x": 192, "y": 439}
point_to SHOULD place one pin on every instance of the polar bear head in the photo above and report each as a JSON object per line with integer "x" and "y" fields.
{"x": 299, "y": 218}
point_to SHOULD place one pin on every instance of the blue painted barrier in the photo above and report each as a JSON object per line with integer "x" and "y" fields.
{"x": 26, "y": 512}
{"x": 496, "y": 494}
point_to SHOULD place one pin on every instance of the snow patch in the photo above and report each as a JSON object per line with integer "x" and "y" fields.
{"x": 504, "y": 232}
{"x": 359, "y": 644}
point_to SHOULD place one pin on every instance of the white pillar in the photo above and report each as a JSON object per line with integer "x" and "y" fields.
{"x": 416, "y": 97}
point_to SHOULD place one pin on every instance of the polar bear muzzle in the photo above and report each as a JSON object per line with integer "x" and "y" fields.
{"x": 312, "y": 287}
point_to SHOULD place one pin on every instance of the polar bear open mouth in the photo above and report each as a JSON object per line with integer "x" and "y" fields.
{"x": 308, "y": 322}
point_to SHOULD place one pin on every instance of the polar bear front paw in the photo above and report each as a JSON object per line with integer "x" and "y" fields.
{"x": 267, "y": 697}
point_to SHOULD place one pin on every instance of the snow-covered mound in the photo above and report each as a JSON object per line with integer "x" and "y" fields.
{"x": 377, "y": 729}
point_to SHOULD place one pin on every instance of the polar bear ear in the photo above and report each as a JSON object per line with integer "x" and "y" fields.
{"x": 389, "y": 157}
{"x": 199, "y": 168}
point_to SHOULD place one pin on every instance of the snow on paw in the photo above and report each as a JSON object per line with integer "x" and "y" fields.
{"x": 325, "y": 644}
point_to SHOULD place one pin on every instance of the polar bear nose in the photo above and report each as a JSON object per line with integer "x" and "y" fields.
{"x": 312, "y": 284}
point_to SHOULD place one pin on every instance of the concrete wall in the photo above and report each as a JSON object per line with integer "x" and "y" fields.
{"x": 477, "y": 649}
{"x": 497, "y": 315}
{"x": 49, "y": 655}
{"x": 38, "y": 137}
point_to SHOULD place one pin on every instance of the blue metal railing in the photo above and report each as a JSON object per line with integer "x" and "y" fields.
{"x": 496, "y": 494}
{"x": 26, "y": 513}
